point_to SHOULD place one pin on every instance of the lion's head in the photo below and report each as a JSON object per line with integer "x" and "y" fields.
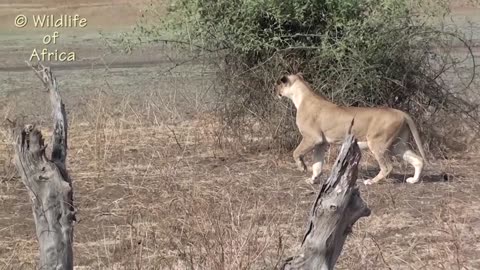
{"x": 284, "y": 84}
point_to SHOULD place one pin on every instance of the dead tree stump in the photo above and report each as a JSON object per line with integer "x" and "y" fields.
{"x": 47, "y": 181}
{"x": 337, "y": 207}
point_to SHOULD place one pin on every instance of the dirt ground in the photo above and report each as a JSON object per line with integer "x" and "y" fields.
{"x": 154, "y": 190}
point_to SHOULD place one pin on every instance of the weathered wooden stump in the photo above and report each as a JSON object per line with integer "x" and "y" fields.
{"x": 337, "y": 207}
{"x": 47, "y": 181}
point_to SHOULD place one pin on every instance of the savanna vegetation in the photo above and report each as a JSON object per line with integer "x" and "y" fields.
{"x": 357, "y": 53}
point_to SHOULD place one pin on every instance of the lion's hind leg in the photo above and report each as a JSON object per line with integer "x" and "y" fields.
{"x": 402, "y": 149}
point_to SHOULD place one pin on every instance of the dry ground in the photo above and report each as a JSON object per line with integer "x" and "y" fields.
{"x": 155, "y": 190}
{"x": 161, "y": 195}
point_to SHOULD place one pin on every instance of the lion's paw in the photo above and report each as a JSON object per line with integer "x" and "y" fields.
{"x": 301, "y": 166}
{"x": 368, "y": 182}
{"x": 313, "y": 181}
{"x": 310, "y": 181}
{"x": 412, "y": 180}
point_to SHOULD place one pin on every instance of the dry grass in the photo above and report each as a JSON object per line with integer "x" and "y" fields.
{"x": 156, "y": 192}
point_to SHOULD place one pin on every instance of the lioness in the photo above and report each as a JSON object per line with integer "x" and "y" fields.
{"x": 322, "y": 122}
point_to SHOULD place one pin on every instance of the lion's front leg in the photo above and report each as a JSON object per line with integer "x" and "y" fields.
{"x": 305, "y": 146}
{"x": 318, "y": 160}
{"x": 301, "y": 166}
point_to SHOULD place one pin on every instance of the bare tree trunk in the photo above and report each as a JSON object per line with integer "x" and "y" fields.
{"x": 47, "y": 181}
{"x": 337, "y": 207}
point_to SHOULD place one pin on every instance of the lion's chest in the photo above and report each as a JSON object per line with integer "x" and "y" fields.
{"x": 309, "y": 126}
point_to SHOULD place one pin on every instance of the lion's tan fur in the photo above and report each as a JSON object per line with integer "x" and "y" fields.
{"x": 322, "y": 122}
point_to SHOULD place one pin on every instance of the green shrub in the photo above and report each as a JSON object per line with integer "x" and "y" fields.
{"x": 355, "y": 52}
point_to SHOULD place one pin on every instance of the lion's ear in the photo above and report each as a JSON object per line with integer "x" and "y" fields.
{"x": 284, "y": 79}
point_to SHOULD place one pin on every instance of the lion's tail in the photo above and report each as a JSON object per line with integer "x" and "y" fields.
{"x": 416, "y": 136}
